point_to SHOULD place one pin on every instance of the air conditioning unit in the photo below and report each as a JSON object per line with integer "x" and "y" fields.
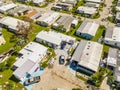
{"x": 118, "y": 55}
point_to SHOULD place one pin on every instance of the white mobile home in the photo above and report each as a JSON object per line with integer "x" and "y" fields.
{"x": 39, "y": 2}
{"x": 28, "y": 60}
{"x": 12, "y": 23}
{"x": 88, "y": 11}
{"x": 33, "y": 51}
{"x": 7, "y": 7}
{"x": 113, "y": 61}
{"x": 53, "y": 39}
{"x": 48, "y": 18}
{"x": 72, "y": 2}
{"x": 112, "y": 36}
{"x": 27, "y": 68}
{"x": 87, "y": 29}
{"x": 64, "y": 21}
{"x": 87, "y": 56}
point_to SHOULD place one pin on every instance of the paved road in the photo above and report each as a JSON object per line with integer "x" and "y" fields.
{"x": 104, "y": 14}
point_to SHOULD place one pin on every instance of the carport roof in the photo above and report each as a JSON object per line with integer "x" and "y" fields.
{"x": 22, "y": 71}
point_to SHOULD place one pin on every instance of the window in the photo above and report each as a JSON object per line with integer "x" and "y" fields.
{"x": 115, "y": 44}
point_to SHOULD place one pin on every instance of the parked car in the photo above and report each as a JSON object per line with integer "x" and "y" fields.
{"x": 0, "y": 33}
{"x": 116, "y": 83}
{"x": 118, "y": 24}
{"x": 63, "y": 45}
{"x": 32, "y": 80}
{"x": 62, "y": 59}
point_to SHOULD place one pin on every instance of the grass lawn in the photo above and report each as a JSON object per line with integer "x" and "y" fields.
{"x": 8, "y": 44}
{"x": 6, "y": 78}
{"x": 45, "y": 63}
{"x": 35, "y": 30}
{"x": 7, "y": 35}
{"x": 80, "y": 3}
{"x": 72, "y": 31}
{"x": 3, "y": 48}
{"x": 99, "y": 33}
{"x": 111, "y": 19}
{"x": 105, "y": 50}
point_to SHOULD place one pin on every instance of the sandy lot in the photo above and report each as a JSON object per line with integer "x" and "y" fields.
{"x": 50, "y": 81}
{"x": 60, "y": 76}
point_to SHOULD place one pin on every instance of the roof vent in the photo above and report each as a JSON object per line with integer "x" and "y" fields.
{"x": 119, "y": 68}
{"x": 118, "y": 55}
{"x": 88, "y": 42}
{"x": 87, "y": 53}
{"x": 88, "y": 45}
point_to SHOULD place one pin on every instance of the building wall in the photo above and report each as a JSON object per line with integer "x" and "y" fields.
{"x": 84, "y": 35}
{"x": 2, "y": 12}
{"x": 93, "y": 2}
{"x": 33, "y": 69}
{"x": 47, "y": 43}
{"x": 7, "y": 27}
{"x": 85, "y": 14}
{"x": 42, "y": 23}
{"x": 112, "y": 43}
{"x": 12, "y": 30}
{"x": 19, "y": 78}
{"x": 85, "y": 70}
{"x": 24, "y": 0}
{"x": 117, "y": 20}
{"x": 4, "y": 26}
{"x": 39, "y": 4}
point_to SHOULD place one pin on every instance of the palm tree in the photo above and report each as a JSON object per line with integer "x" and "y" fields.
{"x": 24, "y": 29}
{"x": 21, "y": 36}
